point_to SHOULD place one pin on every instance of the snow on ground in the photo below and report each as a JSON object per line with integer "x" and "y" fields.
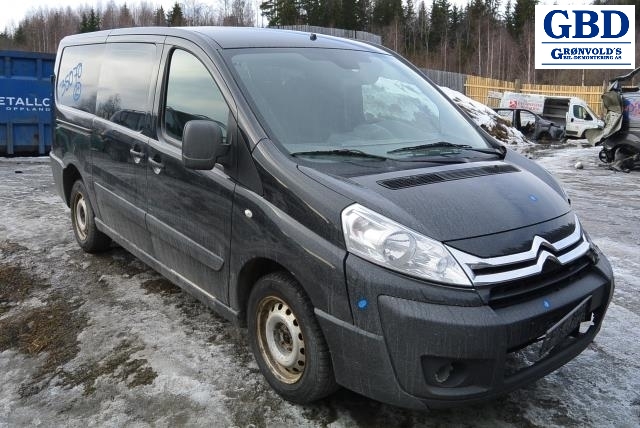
{"x": 142, "y": 353}
{"x": 488, "y": 119}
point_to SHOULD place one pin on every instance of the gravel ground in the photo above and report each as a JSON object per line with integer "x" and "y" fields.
{"x": 90, "y": 340}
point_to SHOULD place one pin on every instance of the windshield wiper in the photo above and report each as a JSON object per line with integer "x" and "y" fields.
{"x": 340, "y": 152}
{"x": 443, "y": 144}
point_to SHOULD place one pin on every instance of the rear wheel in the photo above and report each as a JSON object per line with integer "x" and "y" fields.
{"x": 84, "y": 226}
{"x": 286, "y": 340}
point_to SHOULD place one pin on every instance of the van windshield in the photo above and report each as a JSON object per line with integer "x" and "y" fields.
{"x": 593, "y": 115}
{"x": 349, "y": 103}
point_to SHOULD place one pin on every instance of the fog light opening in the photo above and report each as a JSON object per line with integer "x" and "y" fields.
{"x": 443, "y": 373}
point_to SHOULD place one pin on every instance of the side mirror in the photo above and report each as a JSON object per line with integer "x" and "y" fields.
{"x": 201, "y": 144}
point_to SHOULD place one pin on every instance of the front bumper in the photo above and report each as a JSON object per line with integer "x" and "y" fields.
{"x": 424, "y": 346}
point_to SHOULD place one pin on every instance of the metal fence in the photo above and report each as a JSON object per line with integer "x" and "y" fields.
{"x": 338, "y": 32}
{"x": 451, "y": 80}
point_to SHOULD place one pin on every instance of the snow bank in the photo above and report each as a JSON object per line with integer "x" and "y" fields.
{"x": 488, "y": 119}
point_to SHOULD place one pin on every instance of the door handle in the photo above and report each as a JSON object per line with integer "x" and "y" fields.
{"x": 136, "y": 155}
{"x": 156, "y": 165}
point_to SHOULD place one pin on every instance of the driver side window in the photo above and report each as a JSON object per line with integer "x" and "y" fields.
{"x": 192, "y": 94}
{"x": 581, "y": 113}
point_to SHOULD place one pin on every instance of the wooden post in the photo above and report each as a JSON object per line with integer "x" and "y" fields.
{"x": 518, "y": 85}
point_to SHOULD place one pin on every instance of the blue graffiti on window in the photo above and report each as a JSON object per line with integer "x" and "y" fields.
{"x": 72, "y": 80}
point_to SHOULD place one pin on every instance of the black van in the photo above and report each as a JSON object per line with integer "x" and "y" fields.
{"x": 328, "y": 196}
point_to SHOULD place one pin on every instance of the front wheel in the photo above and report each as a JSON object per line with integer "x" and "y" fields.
{"x": 287, "y": 341}
{"x": 84, "y": 226}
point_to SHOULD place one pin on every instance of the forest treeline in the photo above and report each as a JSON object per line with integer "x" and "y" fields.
{"x": 491, "y": 38}
{"x": 42, "y": 29}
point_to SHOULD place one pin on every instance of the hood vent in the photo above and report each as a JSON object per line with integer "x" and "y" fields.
{"x": 441, "y": 176}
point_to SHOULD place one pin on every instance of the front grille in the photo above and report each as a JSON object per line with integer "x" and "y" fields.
{"x": 513, "y": 278}
{"x": 555, "y": 278}
{"x": 442, "y": 176}
{"x": 551, "y": 263}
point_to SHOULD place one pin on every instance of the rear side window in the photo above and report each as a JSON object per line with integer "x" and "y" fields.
{"x": 125, "y": 84}
{"x": 192, "y": 94}
{"x": 78, "y": 77}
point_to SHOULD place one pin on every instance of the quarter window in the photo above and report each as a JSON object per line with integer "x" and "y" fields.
{"x": 78, "y": 77}
{"x": 192, "y": 94}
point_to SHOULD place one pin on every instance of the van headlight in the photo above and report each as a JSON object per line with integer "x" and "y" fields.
{"x": 391, "y": 245}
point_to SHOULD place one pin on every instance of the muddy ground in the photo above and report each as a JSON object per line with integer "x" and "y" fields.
{"x": 90, "y": 340}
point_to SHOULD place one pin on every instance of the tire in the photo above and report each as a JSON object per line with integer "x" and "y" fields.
{"x": 87, "y": 234}
{"x": 604, "y": 156}
{"x": 287, "y": 342}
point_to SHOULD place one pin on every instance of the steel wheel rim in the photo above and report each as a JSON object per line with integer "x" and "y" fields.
{"x": 80, "y": 216}
{"x": 280, "y": 340}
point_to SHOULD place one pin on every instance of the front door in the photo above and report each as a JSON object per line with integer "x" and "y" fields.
{"x": 578, "y": 120}
{"x": 189, "y": 212}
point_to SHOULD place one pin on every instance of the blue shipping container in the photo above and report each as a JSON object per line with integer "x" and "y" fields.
{"x": 26, "y": 102}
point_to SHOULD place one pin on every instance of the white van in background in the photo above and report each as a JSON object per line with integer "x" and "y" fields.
{"x": 571, "y": 112}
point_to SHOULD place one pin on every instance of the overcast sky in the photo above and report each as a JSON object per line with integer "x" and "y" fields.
{"x": 14, "y": 10}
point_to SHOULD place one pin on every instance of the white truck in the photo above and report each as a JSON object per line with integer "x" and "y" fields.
{"x": 571, "y": 112}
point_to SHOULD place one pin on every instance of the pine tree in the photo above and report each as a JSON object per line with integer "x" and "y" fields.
{"x": 439, "y": 22}
{"x": 84, "y": 23}
{"x": 315, "y": 11}
{"x": 508, "y": 17}
{"x": 423, "y": 23}
{"x": 523, "y": 12}
{"x": 125, "y": 19}
{"x": 93, "y": 23}
{"x": 386, "y": 11}
{"x": 161, "y": 19}
{"x": 175, "y": 17}
{"x": 20, "y": 35}
{"x": 280, "y": 12}
{"x": 349, "y": 15}
{"x": 410, "y": 34}
{"x": 89, "y": 23}
{"x": 363, "y": 14}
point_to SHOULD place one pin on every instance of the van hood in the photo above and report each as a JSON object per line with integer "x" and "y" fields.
{"x": 460, "y": 201}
